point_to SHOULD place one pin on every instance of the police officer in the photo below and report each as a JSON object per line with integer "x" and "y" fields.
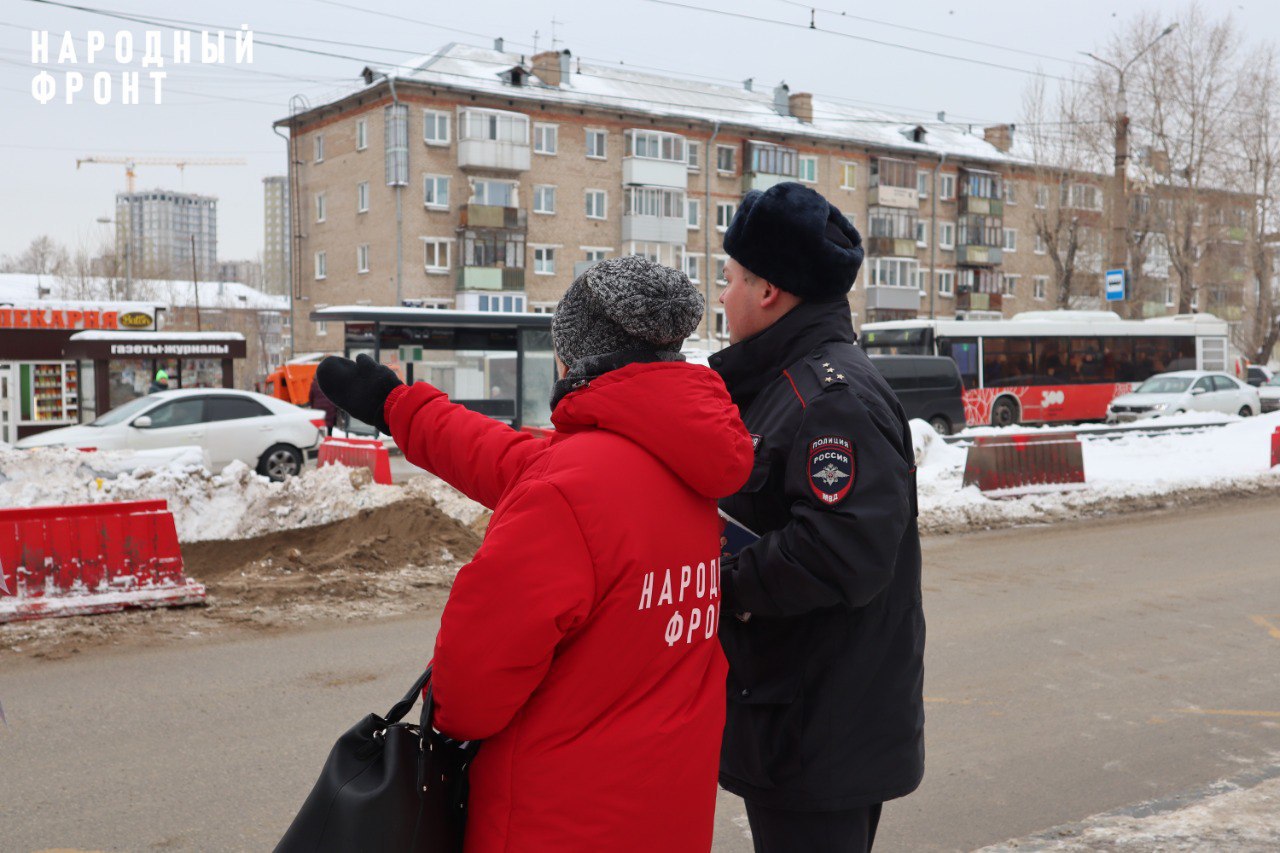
{"x": 825, "y": 707}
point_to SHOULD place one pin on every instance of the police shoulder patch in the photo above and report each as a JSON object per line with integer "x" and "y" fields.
{"x": 832, "y": 468}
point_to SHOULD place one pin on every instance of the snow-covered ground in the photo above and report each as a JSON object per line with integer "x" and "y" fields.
{"x": 1233, "y": 458}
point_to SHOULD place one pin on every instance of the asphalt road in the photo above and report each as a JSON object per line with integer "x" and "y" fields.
{"x": 1071, "y": 670}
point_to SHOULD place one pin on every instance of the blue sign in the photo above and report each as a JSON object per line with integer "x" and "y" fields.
{"x": 1115, "y": 285}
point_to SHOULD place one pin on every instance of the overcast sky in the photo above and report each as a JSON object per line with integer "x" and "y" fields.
{"x": 227, "y": 111}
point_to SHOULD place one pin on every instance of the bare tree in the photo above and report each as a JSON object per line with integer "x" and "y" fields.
{"x": 1056, "y": 132}
{"x": 1182, "y": 94}
{"x": 43, "y": 256}
{"x": 1257, "y": 149}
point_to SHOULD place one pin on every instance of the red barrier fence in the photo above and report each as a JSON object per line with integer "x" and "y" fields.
{"x": 1275, "y": 448}
{"x": 90, "y": 558}
{"x": 357, "y": 453}
{"x": 1024, "y": 461}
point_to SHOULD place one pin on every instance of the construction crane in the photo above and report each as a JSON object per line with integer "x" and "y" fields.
{"x": 130, "y": 163}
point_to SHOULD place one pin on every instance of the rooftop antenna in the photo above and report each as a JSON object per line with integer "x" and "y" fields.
{"x": 535, "y": 42}
{"x": 554, "y": 40}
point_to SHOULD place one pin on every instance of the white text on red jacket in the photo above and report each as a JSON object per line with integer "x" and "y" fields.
{"x": 685, "y": 590}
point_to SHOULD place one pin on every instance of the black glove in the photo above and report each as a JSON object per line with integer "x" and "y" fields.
{"x": 360, "y": 388}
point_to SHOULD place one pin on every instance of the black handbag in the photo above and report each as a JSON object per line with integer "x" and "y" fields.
{"x": 387, "y": 786}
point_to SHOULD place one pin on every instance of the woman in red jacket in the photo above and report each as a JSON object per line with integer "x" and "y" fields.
{"x": 580, "y": 643}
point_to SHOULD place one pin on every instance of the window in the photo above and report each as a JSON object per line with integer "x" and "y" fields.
{"x": 893, "y": 272}
{"x": 691, "y": 267}
{"x": 922, "y": 232}
{"x": 1081, "y": 197}
{"x": 595, "y": 255}
{"x": 493, "y": 126}
{"x": 322, "y": 328}
{"x": 726, "y": 159}
{"x": 362, "y": 134}
{"x": 177, "y": 413}
{"x": 320, "y": 207}
{"x": 319, "y": 147}
{"x": 946, "y": 282}
{"x": 437, "y": 251}
{"x": 1040, "y": 286}
{"x": 946, "y": 235}
{"x": 655, "y": 201}
{"x": 1010, "y": 196}
{"x": 362, "y": 197}
{"x": 233, "y": 409}
{"x": 809, "y": 169}
{"x": 597, "y": 204}
{"x": 546, "y": 138}
{"x": 924, "y": 181}
{"x": 656, "y": 145}
{"x": 722, "y": 329}
{"x": 435, "y": 192}
{"x": 544, "y": 199}
{"x": 494, "y": 193}
{"x": 693, "y": 151}
{"x": 946, "y": 187}
{"x": 489, "y": 247}
{"x": 896, "y": 223}
{"x": 544, "y": 260}
{"x": 1009, "y": 285}
{"x": 1040, "y": 247}
{"x": 435, "y": 127}
{"x": 362, "y": 258}
{"x": 891, "y": 172}
{"x": 596, "y": 144}
{"x": 694, "y": 213}
{"x": 1011, "y": 239}
{"x": 321, "y": 267}
{"x": 720, "y": 261}
{"x": 769, "y": 159}
{"x": 724, "y": 214}
{"x": 1042, "y": 198}
{"x": 1224, "y": 383}
{"x": 848, "y": 176}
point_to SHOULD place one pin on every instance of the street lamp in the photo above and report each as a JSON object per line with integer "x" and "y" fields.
{"x": 1120, "y": 184}
{"x": 128, "y": 257}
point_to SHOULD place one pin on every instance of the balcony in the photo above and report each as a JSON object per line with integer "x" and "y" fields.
{"x": 646, "y": 171}
{"x": 493, "y": 139}
{"x": 490, "y": 278}
{"x": 979, "y": 256}
{"x": 894, "y": 197}
{"x": 768, "y": 165}
{"x": 980, "y": 206}
{"x": 655, "y": 229}
{"x": 492, "y": 216}
{"x": 762, "y": 180}
{"x": 899, "y": 247}
{"x": 893, "y": 298}
{"x": 979, "y": 301}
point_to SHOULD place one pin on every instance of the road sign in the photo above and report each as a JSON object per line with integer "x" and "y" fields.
{"x": 1115, "y": 285}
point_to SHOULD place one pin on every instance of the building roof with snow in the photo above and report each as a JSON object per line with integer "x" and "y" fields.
{"x": 225, "y": 295}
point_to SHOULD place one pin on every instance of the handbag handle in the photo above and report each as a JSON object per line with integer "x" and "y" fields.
{"x": 402, "y": 707}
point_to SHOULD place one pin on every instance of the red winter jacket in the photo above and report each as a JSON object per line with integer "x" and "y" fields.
{"x": 580, "y": 642}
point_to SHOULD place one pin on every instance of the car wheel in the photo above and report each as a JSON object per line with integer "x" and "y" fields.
{"x": 1246, "y": 411}
{"x": 280, "y": 462}
{"x": 1004, "y": 413}
{"x": 940, "y": 425}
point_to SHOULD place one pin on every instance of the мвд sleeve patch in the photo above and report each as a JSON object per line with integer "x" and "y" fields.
{"x": 832, "y": 468}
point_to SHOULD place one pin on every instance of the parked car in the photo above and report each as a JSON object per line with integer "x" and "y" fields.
{"x": 928, "y": 387}
{"x": 1270, "y": 394}
{"x": 1259, "y": 375}
{"x": 1185, "y": 391}
{"x": 271, "y": 435}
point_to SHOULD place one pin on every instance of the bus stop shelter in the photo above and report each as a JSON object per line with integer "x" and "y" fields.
{"x": 499, "y": 364}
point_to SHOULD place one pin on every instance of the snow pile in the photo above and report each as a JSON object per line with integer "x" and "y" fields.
{"x": 1121, "y": 473}
{"x": 235, "y": 504}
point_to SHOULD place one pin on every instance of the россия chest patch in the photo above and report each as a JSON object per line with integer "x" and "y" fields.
{"x": 831, "y": 468}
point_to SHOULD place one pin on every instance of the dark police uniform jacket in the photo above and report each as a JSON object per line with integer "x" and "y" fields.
{"x": 825, "y": 702}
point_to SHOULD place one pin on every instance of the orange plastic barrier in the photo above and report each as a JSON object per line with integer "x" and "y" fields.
{"x": 1024, "y": 461}
{"x": 90, "y": 558}
{"x": 357, "y": 453}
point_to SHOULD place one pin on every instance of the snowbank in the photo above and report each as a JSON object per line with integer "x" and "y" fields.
{"x": 1120, "y": 473}
{"x": 236, "y": 504}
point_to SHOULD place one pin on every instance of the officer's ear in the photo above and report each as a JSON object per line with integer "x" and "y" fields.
{"x": 772, "y": 296}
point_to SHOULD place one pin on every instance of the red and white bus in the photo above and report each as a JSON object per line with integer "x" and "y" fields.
{"x": 1050, "y": 366}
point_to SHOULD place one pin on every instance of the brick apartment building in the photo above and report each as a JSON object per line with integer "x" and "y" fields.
{"x": 514, "y": 174}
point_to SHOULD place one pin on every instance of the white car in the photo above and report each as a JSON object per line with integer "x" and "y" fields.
{"x": 1269, "y": 393}
{"x": 1185, "y": 391}
{"x": 268, "y": 434}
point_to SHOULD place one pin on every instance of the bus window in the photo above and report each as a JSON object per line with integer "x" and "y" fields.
{"x": 1006, "y": 362}
{"x": 1086, "y": 360}
{"x": 964, "y": 352}
{"x": 896, "y": 342}
{"x": 1053, "y": 363}
{"x": 1163, "y": 354}
{"x": 1117, "y": 360}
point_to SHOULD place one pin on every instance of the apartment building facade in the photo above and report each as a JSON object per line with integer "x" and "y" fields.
{"x": 514, "y": 175}
{"x": 163, "y": 230}
{"x": 275, "y": 234}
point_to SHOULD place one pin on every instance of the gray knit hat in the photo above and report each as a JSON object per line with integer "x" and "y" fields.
{"x": 626, "y": 303}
